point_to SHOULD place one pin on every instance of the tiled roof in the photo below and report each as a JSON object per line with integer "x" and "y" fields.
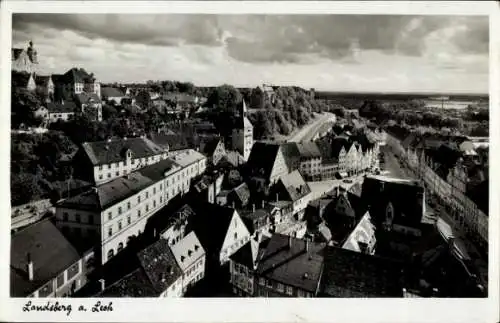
{"x": 308, "y": 150}
{"x": 250, "y": 253}
{"x": 50, "y": 253}
{"x": 170, "y": 141}
{"x": 84, "y": 98}
{"x": 168, "y": 216}
{"x": 291, "y": 264}
{"x": 242, "y": 193}
{"x": 290, "y": 152}
{"x": 352, "y": 274}
{"x": 187, "y": 251}
{"x": 211, "y": 223}
{"x": 111, "y": 92}
{"x": 76, "y": 75}
{"x": 210, "y": 143}
{"x": 135, "y": 284}
{"x": 159, "y": 264}
{"x": 106, "y": 152}
{"x": 58, "y": 107}
{"x": 295, "y": 185}
{"x": 119, "y": 189}
{"x": 262, "y": 158}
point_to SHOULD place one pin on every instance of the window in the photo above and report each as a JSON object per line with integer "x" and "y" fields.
{"x": 147, "y": 194}
{"x": 110, "y": 231}
{"x": 120, "y": 247}
{"x": 147, "y": 207}
{"x": 154, "y": 190}
{"x": 78, "y": 218}
{"x": 161, "y": 199}
{"x": 119, "y": 225}
{"x": 161, "y": 187}
{"x": 117, "y": 173}
{"x": 139, "y": 199}
{"x": 128, "y": 205}
{"x": 235, "y": 236}
{"x": 111, "y": 253}
{"x": 65, "y": 216}
{"x": 289, "y": 290}
{"x": 129, "y": 220}
{"x": 133, "y": 161}
{"x": 119, "y": 210}
{"x": 73, "y": 270}
{"x": 138, "y": 213}
{"x": 60, "y": 280}
{"x": 109, "y": 175}
{"x": 100, "y": 176}
{"x": 154, "y": 204}
{"x": 45, "y": 290}
{"x": 110, "y": 215}
{"x": 280, "y": 287}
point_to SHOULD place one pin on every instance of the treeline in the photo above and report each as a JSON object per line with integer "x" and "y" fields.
{"x": 413, "y": 113}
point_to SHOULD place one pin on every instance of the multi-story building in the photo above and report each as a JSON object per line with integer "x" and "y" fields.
{"x": 25, "y": 60}
{"x": 90, "y": 104}
{"x": 77, "y": 80}
{"x": 102, "y": 161}
{"x": 152, "y": 272}
{"x": 267, "y": 163}
{"x": 289, "y": 267}
{"x": 190, "y": 257}
{"x": 310, "y": 160}
{"x": 242, "y": 135}
{"x": 60, "y": 111}
{"x": 114, "y": 212}
{"x": 292, "y": 187}
{"x": 243, "y": 264}
{"x": 230, "y": 235}
{"x": 43, "y": 263}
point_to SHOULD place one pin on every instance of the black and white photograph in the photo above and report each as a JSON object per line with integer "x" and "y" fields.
{"x": 249, "y": 155}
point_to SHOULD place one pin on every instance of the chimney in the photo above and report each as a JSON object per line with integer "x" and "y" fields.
{"x": 307, "y": 245}
{"x": 30, "y": 267}
{"x": 253, "y": 207}
{"x": 263, "y": 204}
{"x": 154, "y": 232}
{"x": 290, "y": 242}
{"x": 277, "y": 198}
{"x": 233, "y": 205}
{"x": 103, "y": 283}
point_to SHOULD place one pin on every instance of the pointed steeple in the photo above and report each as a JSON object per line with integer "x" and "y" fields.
{"x": 244, "y": 109}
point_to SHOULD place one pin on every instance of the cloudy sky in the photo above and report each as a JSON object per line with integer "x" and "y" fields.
{"x": 329, "y": 52}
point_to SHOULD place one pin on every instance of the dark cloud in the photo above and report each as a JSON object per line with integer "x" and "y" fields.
{"x": 272, "y": 38}
{"x": 156, "y": 30}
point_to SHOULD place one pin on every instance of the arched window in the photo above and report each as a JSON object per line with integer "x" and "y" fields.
{"x": 111, "y": 253}
{"x": 120, "y": 246}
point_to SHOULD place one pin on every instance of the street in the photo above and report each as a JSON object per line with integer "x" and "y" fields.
{"x": 309, "y": 130}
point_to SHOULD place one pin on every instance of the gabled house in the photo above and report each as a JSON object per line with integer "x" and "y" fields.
{"x": 61, "y": 111}
{"x": 266, "y": 163}
{"x": 213, "y": 148}
{"x": 190, "y": 257}
{"x": 43, "y": 263}
{"x": 220, "y": 230}
{"x": 293, "y": 188}
{"x": 239, "y": 197}
{"x": 152, "y": 272}
{"x": 289, "y": 267}
{"x": 77, "y": 80}
{"x": 243, "y": 264}
{"x": 112, "y": 94}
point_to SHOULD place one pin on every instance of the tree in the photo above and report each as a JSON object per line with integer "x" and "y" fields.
{"x": 225, "y": 97}
{"x": 24, "y": 188}
{"x": 143, "y": 99}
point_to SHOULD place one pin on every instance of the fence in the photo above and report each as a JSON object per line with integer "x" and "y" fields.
{"x": 464, "y": 209}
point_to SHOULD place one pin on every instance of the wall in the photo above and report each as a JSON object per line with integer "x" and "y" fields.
{"x": 67, "y": 282}
{"x": 237, "y": 235}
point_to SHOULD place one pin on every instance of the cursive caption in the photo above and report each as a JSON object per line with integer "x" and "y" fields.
{"x": 66, "y": 308}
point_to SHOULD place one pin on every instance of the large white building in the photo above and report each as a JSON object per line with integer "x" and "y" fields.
{"x": 112, "y": 213}
{"x": 242, "y": 136}
{"x": 103, "y": 161}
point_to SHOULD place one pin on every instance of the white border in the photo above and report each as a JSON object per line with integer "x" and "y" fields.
{"x": 261, "y": 310}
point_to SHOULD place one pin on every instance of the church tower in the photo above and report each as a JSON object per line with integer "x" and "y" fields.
{"x": 242, "y": 136}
